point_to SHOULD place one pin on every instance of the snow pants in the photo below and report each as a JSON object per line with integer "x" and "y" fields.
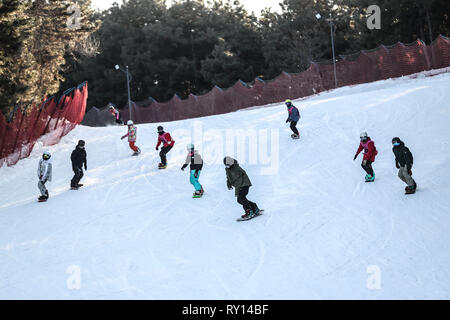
{"x": 367, "y": 166}
{"x": 194, "y": 180}
{"x": 132, "y": 146}
{"x": 42, "y": 188}
{"x": 77, "y": 177}
{"x": 162, "y": 154}
{"x": 294, "y": 128}
{"x": 242, "y": 199}
{"x": 405, "y": 177}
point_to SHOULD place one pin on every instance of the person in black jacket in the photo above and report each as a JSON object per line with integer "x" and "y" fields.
{"x": 78, "y": 158}
{"x": 404, "y": 162}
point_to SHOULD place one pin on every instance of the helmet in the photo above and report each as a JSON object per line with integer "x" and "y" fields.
{"x": 363, "y": 135}
{"x": 81, "y": 143}
{"x": 228, "y": 162}
{"x": 160, "y": 129}
{"x": 110, "y": 105}
{"x": 189, "y": 147}
{"x": 130, "y": 122}
{"x": 46, "y": 155}
{"x": 288, "y": 102}
{"x": 396, "y": 141}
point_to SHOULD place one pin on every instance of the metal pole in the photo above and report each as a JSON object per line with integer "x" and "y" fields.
{"x": 332, "y": 46}
{"x": 129, "y": 99}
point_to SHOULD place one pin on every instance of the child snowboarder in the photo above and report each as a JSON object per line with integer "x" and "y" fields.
{"x": 404, "y": 162}
{"x": 237, "y": 178}
{"x": 44, "y": 174}
{"x": 196, "y": 164}
{"x": 132, "y": 130}
{"x": 294, "y": 116}
{"x": 78, "y": 158}
{"x": 168, "y": 143}
{"x": 370, "y": 152}
{"x": 115, "y": 113}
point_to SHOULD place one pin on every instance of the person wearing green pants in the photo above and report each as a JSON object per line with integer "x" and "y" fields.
{"x": 195, "y": 161}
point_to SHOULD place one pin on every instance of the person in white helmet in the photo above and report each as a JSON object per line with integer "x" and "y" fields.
{"x": 370, "y": 152}
{"x": 44, "y": 174}
{"x": 195, "y": 161}
{"x": 132, "y": 130}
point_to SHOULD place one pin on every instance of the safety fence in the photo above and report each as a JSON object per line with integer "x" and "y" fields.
{"x": 366, "y": 66}
{"x": 52, "y": 119}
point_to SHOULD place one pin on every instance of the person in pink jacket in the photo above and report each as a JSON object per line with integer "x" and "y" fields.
{"x": 370, "y": 152}
{"x": 132, "y": 137}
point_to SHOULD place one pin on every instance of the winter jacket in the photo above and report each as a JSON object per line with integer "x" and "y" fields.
{"x": 115, "y": 113}
{"x": 369, "y": 150}
{"x": 294, "y": 114}
{"x": 132, "y": 130}
{"x": 237, "y": 177}
{"x": 195, "y": 160}
{"x": 165, "y": 139}
{"x": 44, "y": 171}
{"x": 403, "y": 156}
{"x": 78, "y": 158}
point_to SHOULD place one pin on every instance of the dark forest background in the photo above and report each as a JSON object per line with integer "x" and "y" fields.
{"x": 188, "y": 47}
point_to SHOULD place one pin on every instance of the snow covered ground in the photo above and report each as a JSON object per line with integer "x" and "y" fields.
{"x": 134, "y": 231}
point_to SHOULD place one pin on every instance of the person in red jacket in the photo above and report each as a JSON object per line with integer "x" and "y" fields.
{"x": 370, "y": 152}
{"x": 168, "y": 142}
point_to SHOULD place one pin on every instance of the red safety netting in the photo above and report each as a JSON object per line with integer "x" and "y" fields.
{"x": 52, "y": 118}
{"x": 381, "y": 63}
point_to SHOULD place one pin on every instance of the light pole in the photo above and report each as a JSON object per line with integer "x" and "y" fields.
{"x": 128, "y": 86}
{"x": 318, "y": 16}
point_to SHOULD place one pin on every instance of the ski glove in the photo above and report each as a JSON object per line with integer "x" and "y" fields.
{"x": 354, "y": 158}
{"x": 410, "y": 172}
{"x": 287, "y": 121}
{"x": 156, "y": 148}
{"x": 85, "y": 166}
{"x": 196, "y": 174}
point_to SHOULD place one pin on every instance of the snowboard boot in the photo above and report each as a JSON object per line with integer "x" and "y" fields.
{"x": 410, "y": 190}
{"x": 295, "y": 136}
{"x": 256, "y": 210}
{"x": 370, "y": 178}
{"x": 162, "y": 166}
{"x": 197, "y": 194}
{"x": 248, "y": 214}
{"x": 41, "y": 198}
{"x": 136, "y": 153}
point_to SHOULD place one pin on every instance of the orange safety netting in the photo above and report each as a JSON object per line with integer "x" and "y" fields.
{"x": 368, "y": 65}
{"x": 52, "y": 118}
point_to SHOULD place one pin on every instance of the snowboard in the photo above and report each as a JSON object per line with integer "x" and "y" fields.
{"x": 197, "y": 196}
{"x": 42, "y": 200}
{"x": 254, "y": 216}
{"x": 295, "y": 137}
{"x": 162, "y": 167}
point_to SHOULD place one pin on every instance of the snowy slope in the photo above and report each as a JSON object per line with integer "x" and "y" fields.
{"x": 134, "y": 231}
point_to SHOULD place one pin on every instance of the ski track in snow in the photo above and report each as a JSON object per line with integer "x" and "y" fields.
{"x": 135, "y": 232}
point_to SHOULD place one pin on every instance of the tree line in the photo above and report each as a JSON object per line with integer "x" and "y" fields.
{"x": 190, "y": 46}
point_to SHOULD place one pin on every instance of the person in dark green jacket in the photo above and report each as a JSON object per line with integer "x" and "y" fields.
{"x": 237, "y": 178}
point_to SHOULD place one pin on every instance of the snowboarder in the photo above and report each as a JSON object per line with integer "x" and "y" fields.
{"x": 168, "y": 143}
{"x": 370, "y": 152}
{"x": 237, "y": 178}
{"x": 404, "y": 162}
{"x": 132, "y": 130}
{"x": 294, "y": 116}
{"x": 78, "y": 158}
{"x": 196, "y": 163}
{"x": 44, "y": 173}
{"x": 115, "y": 113}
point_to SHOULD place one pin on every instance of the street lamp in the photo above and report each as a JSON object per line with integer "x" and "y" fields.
{"x": 128, "y": 86}
{"x": 318, "y": 16}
